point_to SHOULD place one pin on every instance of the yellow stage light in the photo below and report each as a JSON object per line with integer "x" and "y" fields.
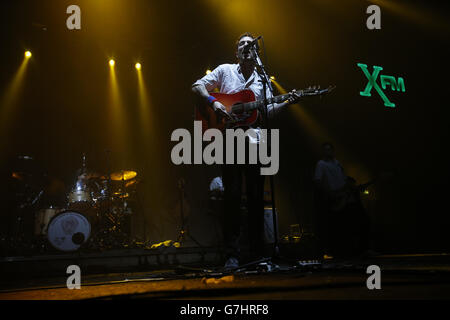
{"x": 138, "y": 66}
{"x": 112, "y": 63}
{"x": 272, "y": 78}
{"x": 28, "y": 54}
{"x": 208, "y": 71}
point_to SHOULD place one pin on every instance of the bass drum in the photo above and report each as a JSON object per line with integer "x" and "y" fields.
{"x": 68, "y": 231}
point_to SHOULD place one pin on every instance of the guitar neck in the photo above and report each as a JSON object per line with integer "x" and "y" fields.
{"x": 249, "y": 106}
{"x": 364, "y": 186}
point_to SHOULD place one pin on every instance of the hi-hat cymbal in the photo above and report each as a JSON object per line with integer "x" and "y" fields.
{"x": 131, "y": 183}
{"x": 123, "y": 175}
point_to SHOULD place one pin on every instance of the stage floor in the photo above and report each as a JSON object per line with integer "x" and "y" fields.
{"x": 420, "y": 276}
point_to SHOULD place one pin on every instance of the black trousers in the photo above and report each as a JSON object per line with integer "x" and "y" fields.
{"x": 345, "y": 233}
{"x": 232, "y": 177}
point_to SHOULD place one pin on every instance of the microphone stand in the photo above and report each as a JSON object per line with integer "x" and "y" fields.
{"x": 183, "y": 231}
{"x": 266, "y": 84}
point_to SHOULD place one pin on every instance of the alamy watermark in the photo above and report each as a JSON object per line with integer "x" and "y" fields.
{"x": 213, "y": 152}
{"x": 74, "y": 20}
{"x": 374, "y": 20}
{"x": 374, "y": 280}
{"x": 74, "y": 280}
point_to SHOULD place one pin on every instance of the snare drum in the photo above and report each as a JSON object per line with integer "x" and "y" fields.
{"x": 79, "y": 196}
{"x": 79, "y": 199}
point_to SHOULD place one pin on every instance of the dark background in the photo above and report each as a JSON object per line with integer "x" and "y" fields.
{"x": 63, "y": 107}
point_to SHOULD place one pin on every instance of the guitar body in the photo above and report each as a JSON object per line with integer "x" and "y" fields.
{"x": 210, "y": 119}
{"x": 340, "y": 199}
{"x": 349, "y": 194}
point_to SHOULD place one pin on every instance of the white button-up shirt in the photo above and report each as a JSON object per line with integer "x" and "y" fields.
{"x": 331, "y": 174}
{"x": 229, "y": 79}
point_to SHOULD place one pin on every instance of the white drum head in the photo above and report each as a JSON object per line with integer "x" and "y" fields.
{"x": 68, "y": 231}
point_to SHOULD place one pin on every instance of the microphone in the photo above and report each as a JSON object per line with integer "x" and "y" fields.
{"x": 251, "y": 43}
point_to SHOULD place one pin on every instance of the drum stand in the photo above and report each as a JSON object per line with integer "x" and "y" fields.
{"x": 124, "y": 214}
{"x": 110, "y": 233}
{"x": 97, "y": 240}
{"x": 18, "y": 236}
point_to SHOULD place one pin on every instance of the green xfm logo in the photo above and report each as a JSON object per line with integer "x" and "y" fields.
{"x": 385, "y": 81}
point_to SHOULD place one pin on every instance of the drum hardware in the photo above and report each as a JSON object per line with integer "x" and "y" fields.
{"x": 31, "y": 200}
{"x": 79, "y": 197}
{"x": 26, "y": 186}
{"x": 110, "y": 202}
{"x": 93, "y": 215}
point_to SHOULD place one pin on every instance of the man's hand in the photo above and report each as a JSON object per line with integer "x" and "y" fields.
{"x": 295, "y": 96}
{"x": 220, "y": 109}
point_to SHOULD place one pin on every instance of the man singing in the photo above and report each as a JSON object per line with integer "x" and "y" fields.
{"x": 232, "y": 78}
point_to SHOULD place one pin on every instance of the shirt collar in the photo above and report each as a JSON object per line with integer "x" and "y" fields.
{"x": 251, "y": 78}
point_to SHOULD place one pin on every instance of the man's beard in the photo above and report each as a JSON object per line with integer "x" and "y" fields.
{"x": 247, "y": 56}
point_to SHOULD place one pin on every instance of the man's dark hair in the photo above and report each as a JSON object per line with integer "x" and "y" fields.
{"x": 327, "y": 144}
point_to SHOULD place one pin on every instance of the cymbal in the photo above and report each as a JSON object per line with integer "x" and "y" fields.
{"x": 131, "y": 183}
{"x": 18, "y": 175}
{"x": 123, "y": 175}
{"x": 121, "y": 194}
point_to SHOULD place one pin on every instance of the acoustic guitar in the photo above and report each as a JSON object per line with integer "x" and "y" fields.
{"x": 244, "y": 108}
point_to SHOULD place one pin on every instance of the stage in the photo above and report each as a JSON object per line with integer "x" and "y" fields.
{"x": 145, "y": 145}
{"x": 184, "y": 276}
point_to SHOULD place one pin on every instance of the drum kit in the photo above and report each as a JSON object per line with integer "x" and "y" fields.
{"x": 96, "y": 213}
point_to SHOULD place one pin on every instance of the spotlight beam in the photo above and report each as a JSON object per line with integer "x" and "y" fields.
{"x": 319, "y": 134}
{"x": 9, "y": 101}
